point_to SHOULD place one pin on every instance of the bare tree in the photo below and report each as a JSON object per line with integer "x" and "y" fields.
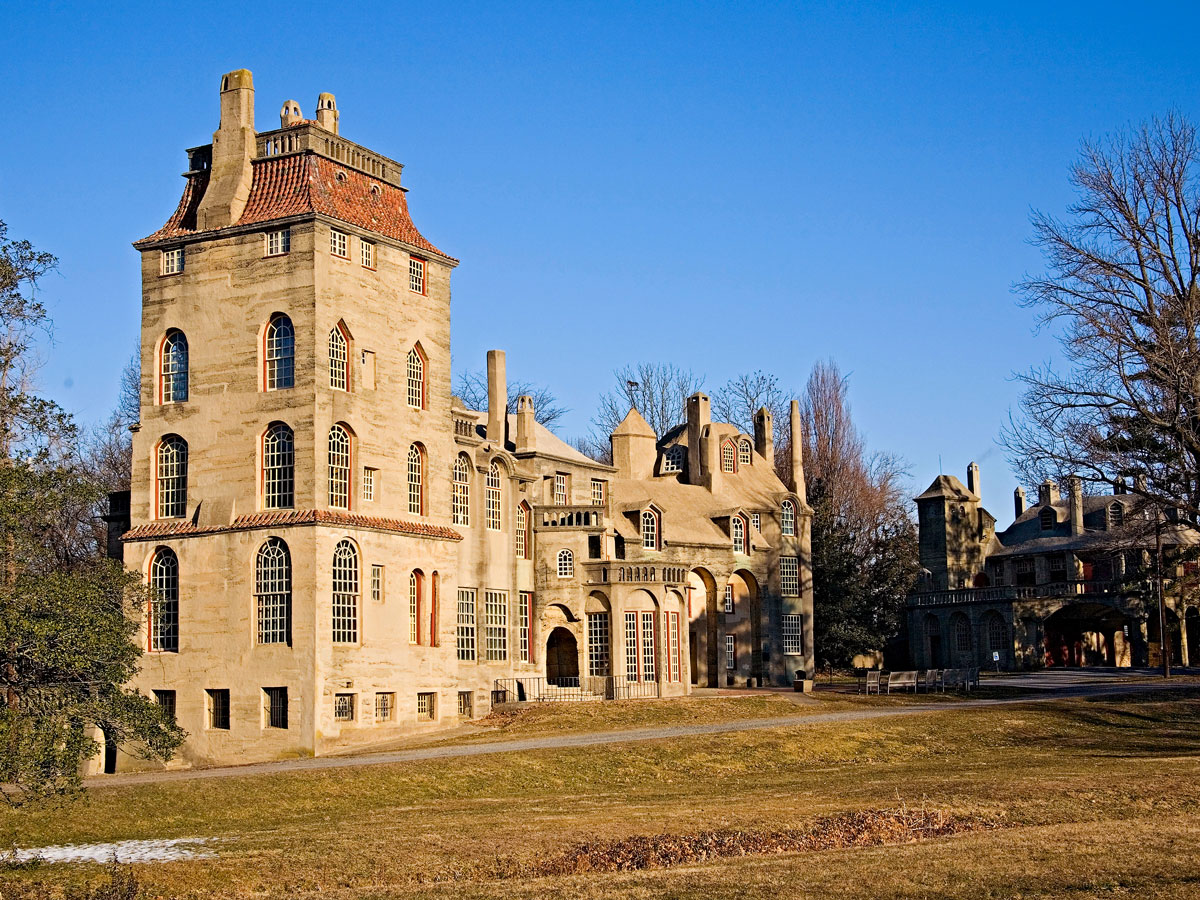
{"x": 472, "y": 390}
{"x": 658, "y": 390}
{"x": 739, "y": 400}
{"x": 1120, "y": 289}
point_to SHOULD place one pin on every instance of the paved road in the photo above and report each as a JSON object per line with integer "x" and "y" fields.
{"x": 1093, "y": 685}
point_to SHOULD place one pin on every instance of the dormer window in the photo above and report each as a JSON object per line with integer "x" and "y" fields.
{"x": 172, "y": 261}
{"x": 1116, "y": 514}
{"x": 728, "y": 457}
{"x": 672, "y": 460}
{"x": 1048, "y": 518}
{"x": 737, "y": 527}
{"x": 745, "y": 454}
{"x": 650, "y": 530}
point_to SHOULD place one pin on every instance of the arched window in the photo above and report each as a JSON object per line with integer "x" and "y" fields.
{"x": 566, "y": 564}
{"x": 1116, "y": 514}
{"x": 339, "y": 467}
{"x": 787, "y": 518}
{"x": 416, "y": 488}
{"x": 416, "y": 378}
{"x": 649, "y": 530}
{"x": 745, "y": 454}
{"x": 345, "y": 593}
{"x": 1049, "y": 518}
{"x": 995, "y": 632}
{"x": 492, "y": 498}
{"x": 339, "y": 360}
{"x": 171, "y": 477}
{"x": 673, "y": 458}
{"x": 728, "y": 457}
{"x": 279, "y": 352}
{"x": 173, "y": 386}
{"x": 524, "y": 538}
{"x": 738, "y": 527}
{"x": 416, "y": 586}
{"x": 163, "y": 613}
{"x": 279, "y": 467}
{"x": 273, "y": 592}
{"x": 962, "y": 634}
{"x": 461, "y": 511}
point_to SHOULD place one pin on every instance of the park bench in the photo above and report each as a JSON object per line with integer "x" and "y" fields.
{"x": 933, "y": 681}
{"x": 951, "y": 678}
{"x": 902, "y": 680}
{"x": 870, "y": 682}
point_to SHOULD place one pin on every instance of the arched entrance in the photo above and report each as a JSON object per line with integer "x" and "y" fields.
{"x": 702, "y": 606}
{"x": 562, "y": 658}
{"x": 1085, "y": 634}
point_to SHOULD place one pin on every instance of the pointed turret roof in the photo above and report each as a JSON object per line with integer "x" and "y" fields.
{"x": 947, "y": 487}
{"x": 633, "y": 423}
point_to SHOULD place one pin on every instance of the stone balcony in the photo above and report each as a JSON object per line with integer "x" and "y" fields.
{"x": 1015, "y": 592}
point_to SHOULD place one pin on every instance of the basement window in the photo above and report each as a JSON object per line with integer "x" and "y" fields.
{"x": 343, "y": 707}
{"x": 426, "y": 707}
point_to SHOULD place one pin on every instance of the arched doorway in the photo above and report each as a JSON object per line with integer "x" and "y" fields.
{"x": 702, "y": 607}
{"x": 562, "y": 658}
{"x": 1085, "y": 634}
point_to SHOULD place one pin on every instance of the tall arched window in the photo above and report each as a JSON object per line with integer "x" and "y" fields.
{"x": 461, "y": 512}
{"x": 170, "y": 479}
{"x": 524, "y": 538}
{"x": 273, "y": 592}
{"x": 279, "y": 353}
{"x": 416, "y": 378}
{"x": 339, "y": 360}
{"x": 566, "y": 564}
{"x": 416, "y": 586}
{"x": 173, "y": 384}
{"x": 995, "y": 632}
{"x": 962, "y": 634}
{"x": 339, "y": 467}
{"x": 163, "y": 613}
{"x": 416, "y": 482}
{"x": 492, "y": 498}
{"x": 728, "y": 457}
{"x": 738, "y": 527}
{"x": 279, "y": 467}
{"x": 745, "y": 454}
{"x": 787, "y": 518}
{"x": 345, "y": 593}
{"x": 649, "y": 529}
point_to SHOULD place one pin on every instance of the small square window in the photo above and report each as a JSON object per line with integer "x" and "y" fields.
{"x": 339, "y": 243}
{"x": 276, "y": 706}
{"x": 367, "y": 253}
{"x": 385, "y": 707}
{"x": 756, "y": 521}
{"x": 369, "y": 483}
{"x": 172, "y": 261}
{"x": 377, "y": 583}
{"x": 218, "y": 708}
{"x": 728, "y": 599}
{"x": 416, "y": 275}
{"x": 343, "y": 707}
{"x": 426, "y": 707}
{"x": 279, "y": 242}
{"x": 166, "y": 699}
{"x": 466, "y": 704}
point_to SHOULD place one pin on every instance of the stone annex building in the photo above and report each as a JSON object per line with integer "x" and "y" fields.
{"x": 340, "y": 552}
{"x": 1068, "y": 583}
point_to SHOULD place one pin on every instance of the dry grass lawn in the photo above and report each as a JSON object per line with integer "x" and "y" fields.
{"x": 1096, "y": 798}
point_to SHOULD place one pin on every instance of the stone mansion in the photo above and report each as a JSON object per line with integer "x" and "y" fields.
{"x": 339, "y": 552}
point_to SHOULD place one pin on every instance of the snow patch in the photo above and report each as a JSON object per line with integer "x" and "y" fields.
{"x": 163, "y": 850}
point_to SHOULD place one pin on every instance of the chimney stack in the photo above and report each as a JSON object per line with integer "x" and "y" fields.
{"x": 497, "y": 397}
{"x": 1075, "y": 492}
{"x": 525, "y": 423}
{"x": 1047, "y": 493}
{"x": 699, "y": 418}
{"x": 764, "y": 436}
{"x": 797, "y": 484}
{"x": 327, "y": 112}
{"x": 234, "y": 145}
{"x": 973, "y": 480}
{"x": 1019, "y": 502}
{"x": 290, "y": 114}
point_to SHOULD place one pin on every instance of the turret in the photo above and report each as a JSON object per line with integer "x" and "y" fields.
{"x": 233, "y": 147}
{"x": 633, "y": 446}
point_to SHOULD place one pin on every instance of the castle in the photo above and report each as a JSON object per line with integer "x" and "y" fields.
{"x": 339, "y": 553}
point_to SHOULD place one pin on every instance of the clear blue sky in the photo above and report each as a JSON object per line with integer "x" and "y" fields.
{"x": 723, "y": 186}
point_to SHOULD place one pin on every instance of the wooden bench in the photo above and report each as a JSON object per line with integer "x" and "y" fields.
{"x": 933, "y": 681}
{"x": 871, "y": 682}
{"x": 902, "y": 680}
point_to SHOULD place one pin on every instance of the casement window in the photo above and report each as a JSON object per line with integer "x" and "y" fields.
{"x": 492, "y": 498}
{"x": 163, "y": 612}
{"x": 416, "y": 275}
{"x": 793, "y": 634}
{"x": 279, "y": 467}
{"x": 339, "y": 467}
{"x": 173, "y": 371}
{"x": 172, "y": 261}
{"x": 560, "y": 489}
{"x": 166, "y": 699}
{"x": 674, "y": 660}
{"x": 729, "y": 599}
{"x": 737, "y": 525}
{"x": 461, "y": 505}
{"x": 524, "y": 614}
{"x": 366, "y": 252}
{"x": 745, "y": 454}
{"x": 339, "y": 360}
{"x": 426, "y": 706}
{"x": 649, "y": 530}
{"x": 730, "y": 652}
{"x": 1057, "y": 563}
{"x": 275, "y": 707}
{"x": 339, "y": 243}
{"x": 170, "y": 482}
{"x": 597, "y": 492}
{"x": 217, "y": 700}
{"x": 566, "y": 564}
{"x": 279, "y": 353}
{"x": 996, "y": 633}
{"x": 787, "y": 518}
{"x": 639, "y": 646}
{"x": 495, "y": 623}
{"x": 273, "y": 592}
{"x": 279, "y": 242}
{"x": 385, "y": 707}
{"x": 728, "y": 457}
{"x": 416, "y": 379}
{"x": 672, "y": 460}
{"x": 466, "y": 704}
{"x": 466, "y": 624}
{"x": 345, "y": 593}
{"x": 756, "y": 521}
{"x": 648, "y": 647}
{"x": 377, "y": 583}
{"x": 416, "y": 480}
{"x": 598, "y": 637}
{"x": 789, "y": 576}
{"x": 416, "y": 588}
{"x": 343, "y": 707}
{"x": 522, "y": 531}
{"x": 368, "y": 483}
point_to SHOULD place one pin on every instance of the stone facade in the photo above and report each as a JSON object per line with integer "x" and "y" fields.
{"x": 342, "y": 553}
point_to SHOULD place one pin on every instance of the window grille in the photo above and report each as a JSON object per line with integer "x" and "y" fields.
{"x": 1116, "y": 513}
{"x": 368, "y": 487}
{"x": 466, "y": 704}
{"x": 523, "y": 615}
{"x": 793, "y": 634}
{"x": 415, "y": 587}
{"x": 649, "y": 530}
{"x": 416, "y": 488}
{"x": 279, "y": 242}
{"x": 673, "y": 458}
{"x": 461, "y": 511}
{"x": 416, "y": 275}
{"x": 166, "y": 699}
{"x": 172, "y": 477}
{"x": 279, "y": 352}
{"x": 367, "y": 253}
{"x": 789, "y": 576}
{"x": 427, "y": 706}
{"x": 377, "y": 583}
{"x": 273, "y": 592}
{"x": 1058, "y": 564}
{"x": 648, "y": 648}
{"x": 787, "y": 518}
{"x": 279, "y": 467}
{"x": 728, "y": 599}
{"x": 339, "y": 467}
{"x": 495, "y": 619}
{"x": 174, "y": 367}
{"x": 728, "y": 457}
{"x": 631, "y": 646}
{"x": 276, "y": 707}
{"x": 674, "y": 658}
{"x": 492, "y": 498}
{"x": 416, "y": 380}
{"x": 339, "y": 360}
{"x": 744, "y": 453}
{"x": 566, "y": 564}
{"x": 343, "y": 707}
{"x": 172, "y": 261}
{"x": 1048, "y": 518}
{"x": 345, "y": 593}
{"x": 756, "y": 521}
{"x": 339, "y": 243}
{"x": 962, "y": 634}
{"x": 522, "y": 528}
{"x": 164, "y": 601}
{"x": 466, "y": 624}
{"x": 730, "y": 652}
{"x": 599, "y": 660}
{"x": 738, "y": 527}
{"x": 597, "y": 492}
{"x": 385, "y": 707}
{"x": 218, "y": 708}
{"x": 560, "y": 489}
{"x": 995, "y": 633}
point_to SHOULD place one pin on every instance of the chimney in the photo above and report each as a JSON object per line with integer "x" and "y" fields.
{"x": 327, "y": 112}
{"x": 1019, "y": 502}
{"x": 973, "y": 479}
{"x": 1047, "y": 493}
{"x": 1139, "y": 483}
{"x": 497, "y": 397}
{"x": 1075, "y": 492}
{"x": 233, "y": 147}
{"x": 525, "y": 423}
{"x": 699, "y": 418}
{"x": 797, "y": 483}
{"x": 764, "y": 436}
{"x": 290, "y": 114}
{"x": 1119, "y": 486}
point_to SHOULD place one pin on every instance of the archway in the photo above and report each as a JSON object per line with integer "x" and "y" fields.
{"x": 702, "y": 610}
{"x": 1085, "y": 634}
{"x": 933, "y": 641}
{"x": 742, "y": 633}
{"x": 562, "y": 658}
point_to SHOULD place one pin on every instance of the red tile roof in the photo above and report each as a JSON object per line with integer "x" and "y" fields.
{"x": 286, "y": 517}
{"x": 300, "y": 183}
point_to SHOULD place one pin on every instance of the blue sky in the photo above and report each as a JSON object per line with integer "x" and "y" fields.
{"x": 723, "y": 186}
